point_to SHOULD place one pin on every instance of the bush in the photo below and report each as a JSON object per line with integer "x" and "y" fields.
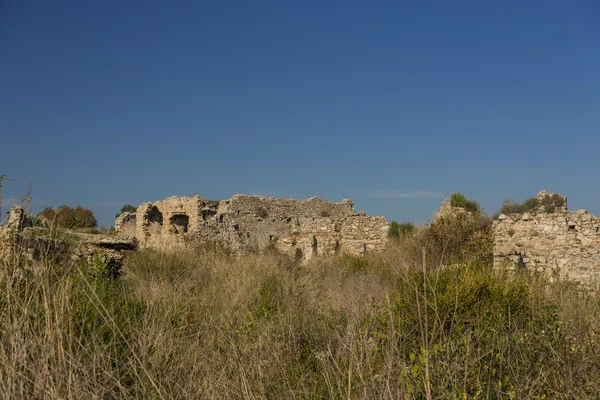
{"x": 126, "y": 208}
{"x": 459, "y": 239}
{"x": 397, "y": 230}
{"x": 532, "y": 205}
{"x": 459, "y": 200}
{"x": 70, "y": 218}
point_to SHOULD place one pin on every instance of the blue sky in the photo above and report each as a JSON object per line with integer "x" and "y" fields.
{"x": 389, "y": 103}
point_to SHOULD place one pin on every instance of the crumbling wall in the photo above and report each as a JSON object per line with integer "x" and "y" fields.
{"x": 564, "y": 242}
{"x": 18, "y": 238}
{"x": 125, "y": 224}
{"x": 299, "y": 228}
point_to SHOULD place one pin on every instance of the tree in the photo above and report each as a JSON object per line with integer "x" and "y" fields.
{"x": 65, "y": 217}
{"x": 126, "y": 208}
{"x": 85, "y": 218}
{"x": 3, "y": 178}
{"x": 70, "y": 218}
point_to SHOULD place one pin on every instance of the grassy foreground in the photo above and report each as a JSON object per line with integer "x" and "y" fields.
{"x": 212, "y": 325}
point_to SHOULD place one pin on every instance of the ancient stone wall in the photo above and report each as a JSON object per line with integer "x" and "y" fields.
{"x": 299, "y": 228}
{"x": 562, "y": 241}
{"x": 125, "y": 224}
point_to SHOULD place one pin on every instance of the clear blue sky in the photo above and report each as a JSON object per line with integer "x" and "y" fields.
{"x": 389, "y": 103}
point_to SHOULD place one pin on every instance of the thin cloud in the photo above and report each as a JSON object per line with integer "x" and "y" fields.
{"x": 418, "y": 194}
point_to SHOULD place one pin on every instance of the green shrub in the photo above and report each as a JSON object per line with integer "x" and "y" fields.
{"x": 459, "y": 239}
{"x": 397, "y": 230}
{"x": 126, "y": 208}
{"x": 459, "y": 200}
{"x": 466, "y": 310}
{"x": 532, "y": 205}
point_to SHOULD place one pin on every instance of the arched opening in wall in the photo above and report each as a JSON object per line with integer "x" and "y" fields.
{"x": 155, "y": 216}
{"x": 155, "y": 220}
{"x": 337, "y": 249}
{"x": 315, "y": 245}
{"x": 180, "y": 223}
{"x": 298, "y": 254}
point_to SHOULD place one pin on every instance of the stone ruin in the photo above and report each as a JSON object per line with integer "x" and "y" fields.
{"x": 301, "y": 229}
{"x": 18, "y": 237}
{"x": 564, "y": 241}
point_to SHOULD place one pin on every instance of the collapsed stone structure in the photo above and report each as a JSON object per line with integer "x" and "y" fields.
{"x": 298, "y": 228}
{"x": 18, "y": 237}
{"x": 563, "y": 241}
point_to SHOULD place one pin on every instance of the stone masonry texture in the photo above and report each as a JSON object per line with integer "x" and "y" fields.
{"x": 301, "y": 229}
{"x": 563, "y": 242}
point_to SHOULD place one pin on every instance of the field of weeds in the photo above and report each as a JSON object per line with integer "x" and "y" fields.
{"x": 427, "y": 319}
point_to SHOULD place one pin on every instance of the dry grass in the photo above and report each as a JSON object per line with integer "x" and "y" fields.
{"x": 210, "y": 325}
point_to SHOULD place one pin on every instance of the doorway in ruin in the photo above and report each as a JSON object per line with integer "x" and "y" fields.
{"x": 155, "y": 220}
{"x": 180, "y": 223}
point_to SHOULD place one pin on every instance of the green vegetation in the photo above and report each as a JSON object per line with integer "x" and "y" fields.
{"x": 397, "y": 230}
{"x": 69, "y": 218}
{"x": 459, "y": 200}
{"x": 126, "y": 208}
{"x": 532, "y": 205}
{"x": 427, "y": 318}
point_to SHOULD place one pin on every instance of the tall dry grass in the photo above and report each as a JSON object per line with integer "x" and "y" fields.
{"x": 211, "y": 325}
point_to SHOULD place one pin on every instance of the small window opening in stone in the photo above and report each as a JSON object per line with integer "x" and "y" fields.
{"x": 248, "y": 235}
{"x": 571, "y": 227}
{"x": 155, "y": 216}
{"x": 314, "y": 245}
{"x": 597, "y": 229}
{"x": 270, "y": 238}
{"x": 180, "y": 223}
{"x": 298, "y": 254}
{"x": 221, "y": 218}
{"x": 207, "y": 213}
{"x": 336, "y": 249}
